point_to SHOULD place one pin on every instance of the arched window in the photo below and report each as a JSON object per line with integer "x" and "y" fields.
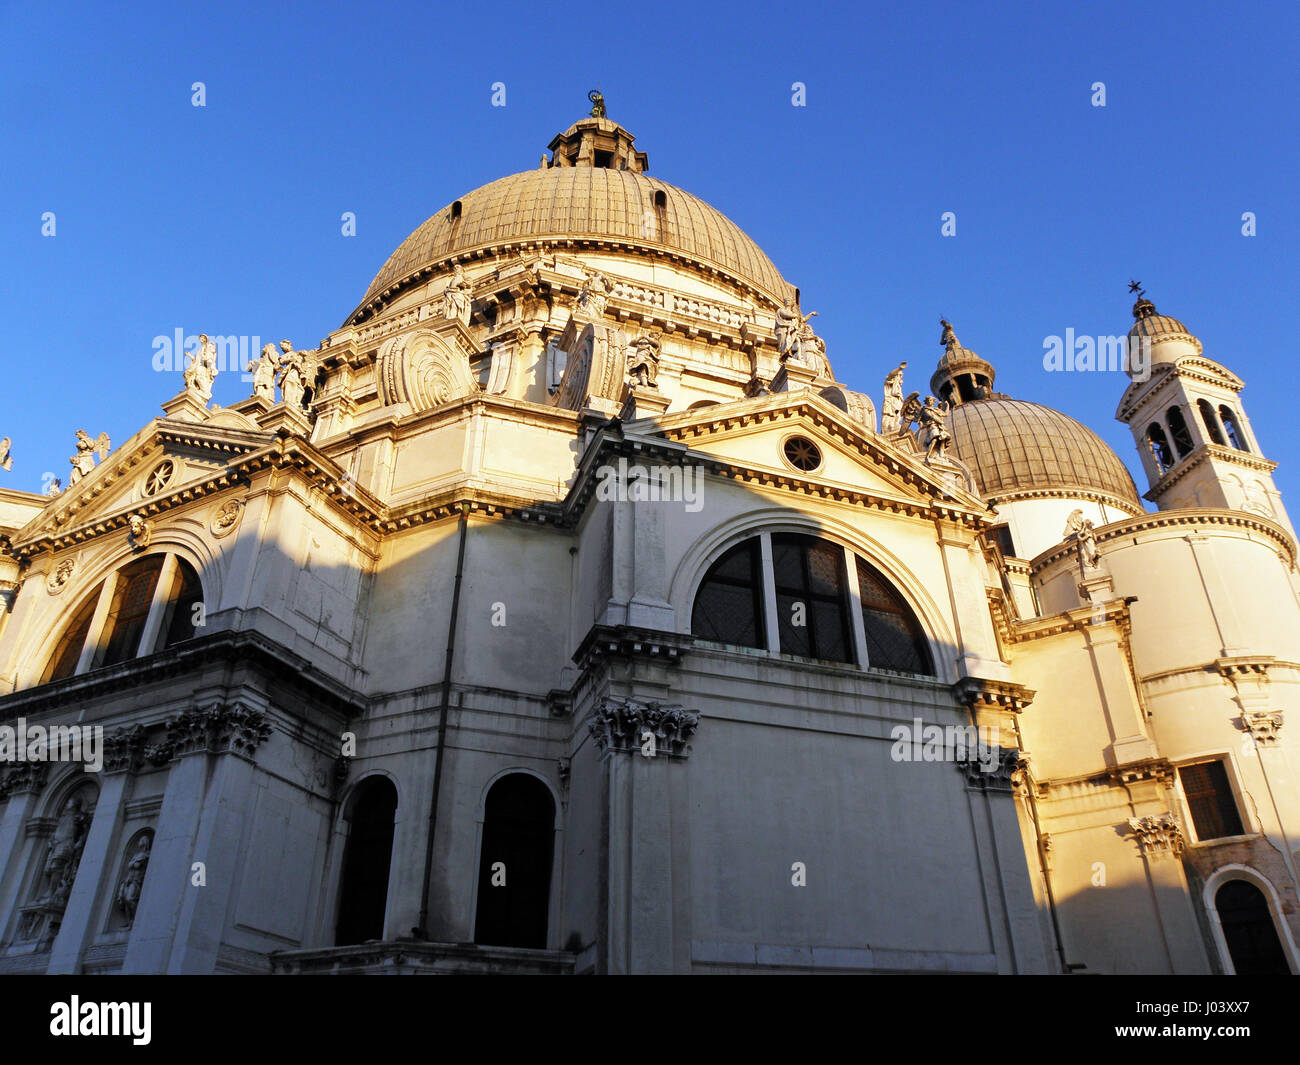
{"x": 1209, "y": 420}
{"x": 1159, "y": 445}
{"x": 363, "y": 894}
{"x": 1179, "y": 431}
{"x": 811, "y": 593}
{"x": 894, "y": 638}
{"x": 147, "y": 605}
{"x": 1249, "y": 931}
{"x": 514, "y": 878}
{"x": 1235, "y": 436}
{"x": 820, "y": 612}
{"x": 729, "y": 604}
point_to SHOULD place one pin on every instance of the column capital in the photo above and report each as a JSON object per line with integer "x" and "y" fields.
{"x": 626, "y": 726}
{"x": 1159, "y": 836}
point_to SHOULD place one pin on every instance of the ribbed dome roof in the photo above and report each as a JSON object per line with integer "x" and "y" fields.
{"x": 564, "y": 204}
{"x": 1013, "y": 446}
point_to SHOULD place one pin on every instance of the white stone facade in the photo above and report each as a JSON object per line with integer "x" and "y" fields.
{"x": 436, "y": 601}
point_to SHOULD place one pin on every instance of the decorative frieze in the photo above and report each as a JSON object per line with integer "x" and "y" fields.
{"x": 653, "y": 728}
{"x": 21, "y": 777}
{"x": 124, "y": 749}
{"x": 1158, "y": 836}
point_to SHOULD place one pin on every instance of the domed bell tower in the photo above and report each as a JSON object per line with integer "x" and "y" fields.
{"x": 1191, "y": 430}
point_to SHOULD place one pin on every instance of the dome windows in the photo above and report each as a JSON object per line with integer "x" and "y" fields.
{"x": 793, "y": 594}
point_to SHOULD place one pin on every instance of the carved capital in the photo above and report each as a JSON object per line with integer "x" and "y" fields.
{"x": 1158, "y": 836}
{"x": 626, "y": 725}
{"x": 989, "y": 768}
{"x": 213, "y": 730}
{"x": 124, "y": 749}
{"x": 1264, "y": 725}
{"x": 23, "y": 777}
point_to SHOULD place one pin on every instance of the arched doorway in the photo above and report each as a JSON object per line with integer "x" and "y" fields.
{"x": 1249, "y": 931}
{"x": 514, "y": 880}
{"x": 363, "y": 895}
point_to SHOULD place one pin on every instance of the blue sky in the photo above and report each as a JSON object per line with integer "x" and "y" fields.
{"x": 226, "y": 219}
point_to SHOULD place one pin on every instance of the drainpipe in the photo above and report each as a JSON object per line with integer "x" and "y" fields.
{"x": 421, "y": 930}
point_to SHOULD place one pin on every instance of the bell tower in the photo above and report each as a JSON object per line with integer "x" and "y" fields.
{"x": 1187, "y": 418}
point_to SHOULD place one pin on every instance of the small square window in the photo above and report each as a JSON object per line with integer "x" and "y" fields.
{"x": 1209, "y": 798}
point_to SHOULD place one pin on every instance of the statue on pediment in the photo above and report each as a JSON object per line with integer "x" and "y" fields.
{"x": 263, "y": 370}
{"x": 201, "y": 370}
{"x": 643, "y": 361}
{"x": 892, "y": 409}
{"x": 291, "y": 376}
{"x": 594, "y": 294}
{"x": 83, "y": 462}
{"x": 934, "y": 435}
{"x": 792, "y": 331}
{"x": 6, "y": 459}
{"x": 456, "y": 301}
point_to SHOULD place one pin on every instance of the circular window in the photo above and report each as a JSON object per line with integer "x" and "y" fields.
{"x": 160, "y": 478}
{"x": 802, "y": 453}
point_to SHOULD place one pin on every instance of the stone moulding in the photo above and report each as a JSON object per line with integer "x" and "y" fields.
{"x": 619, "y": 725}
{"x": 1000, "y": 778}
{"x": 232, "y": 727}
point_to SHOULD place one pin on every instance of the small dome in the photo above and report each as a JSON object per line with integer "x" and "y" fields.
{"x": 1148, "y": 323}
{"x": 1011, "y": 447}
{"x": 584, "y": 194}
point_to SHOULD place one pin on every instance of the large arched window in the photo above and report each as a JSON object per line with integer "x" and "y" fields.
{"x": 363, "y": 894}
{"x": 1179, "y": 431}
{"x": 514, "y": 877}
{"x": 1210, "y": 421}
{"x": 1249, "y": 931}
{"x": 1235, "y": 436}
{"x": 803, "y": 584}
{"x": 141, "y": 608}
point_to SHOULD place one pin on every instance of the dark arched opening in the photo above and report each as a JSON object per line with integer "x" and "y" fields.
{"x": 1249, "y": 931}
{"x": 1159, "y": 444}
{"x": 1235, "y": 436}
{"x": 1210, "y": 420}
{"x": 1179, "y": 431}
{"x": 514, "y": 878}
{"x": 363, "y": 895}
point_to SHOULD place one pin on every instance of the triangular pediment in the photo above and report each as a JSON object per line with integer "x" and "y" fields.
{"x": 166, "y": 457}
{"x": 754, "y": 433}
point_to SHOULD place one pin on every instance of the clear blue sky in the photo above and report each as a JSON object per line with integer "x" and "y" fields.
{"x": 226, "y": 219}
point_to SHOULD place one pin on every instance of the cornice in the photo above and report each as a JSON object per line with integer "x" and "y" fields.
{"x": 1186, "y": 465}
{"x": 1066, "y": 492}
{"x": 1192, "y": 517}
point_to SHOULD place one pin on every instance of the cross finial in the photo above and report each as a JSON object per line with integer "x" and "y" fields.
{"x": 1136, "y": 287}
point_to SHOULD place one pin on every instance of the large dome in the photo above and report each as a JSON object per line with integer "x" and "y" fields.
{"x": 569, "y": 204}
{"x": 1014, "y": 447}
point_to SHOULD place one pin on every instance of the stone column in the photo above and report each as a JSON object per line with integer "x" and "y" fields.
{"x": 178, "y": 925}
{"x": 643, "y": 747}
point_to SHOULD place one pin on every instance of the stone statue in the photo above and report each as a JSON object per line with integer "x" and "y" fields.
{"x": 643, "y": 361}
{"x": 201, "y": 370}
{"x": 83, "y": 462}
{"x": 597, "y": 103}
{"x": 456, "y": 302}
{"x": 6, "y": 460}
{"x": 141, "y": 531}
{"x": 128, "y": 891}
{"x": 892, "y": 408}
{"x": 934, "y": 435}
{"x": 791, "y": 330}
{"x": 948, "y": 339}
{"x": 1080, "y": 530}
{"x": 54, "y": 487}
{"x": 263, "y": 370}
{"x": 594, "y": 293}
{"x": 291, "y": 375}
{"x": 64, "y": 853}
